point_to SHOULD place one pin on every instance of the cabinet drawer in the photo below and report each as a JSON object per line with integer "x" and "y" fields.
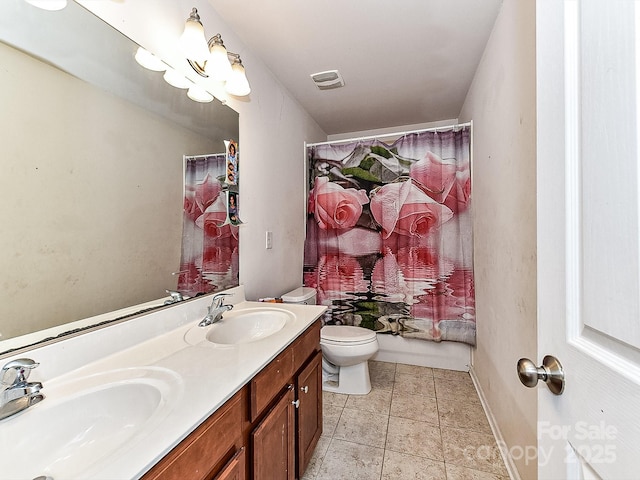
{"x": 306, "y": 345}
{"x": 270, "y": 381}
{"x": 207, "y": 447}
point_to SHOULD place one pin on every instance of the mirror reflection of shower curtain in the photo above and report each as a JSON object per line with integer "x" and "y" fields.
{"x": 209, "y": 260}
{"x": 389, "y": 234}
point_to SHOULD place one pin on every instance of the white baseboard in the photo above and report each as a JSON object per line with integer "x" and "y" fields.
{"x": 508, "y": 461}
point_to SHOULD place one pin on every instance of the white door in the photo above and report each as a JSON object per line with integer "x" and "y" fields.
{"x": 588, "y": 220}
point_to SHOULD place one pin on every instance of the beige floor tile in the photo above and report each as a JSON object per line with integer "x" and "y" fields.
{"x": 375, "y": 365}
{"x": 443, "y": 373}
{"x": 416, "y": 423}
{"x": 475, "y": 450}
{"x": 414, "y": 438}
{"x": 405, "y": 369}
{"x": 351, "y": 461}
{"x": 400, "y": 466}
{"x": 376, "y": 401}
{"x": 382, "y": 374}
{"x": 456, "y": 388}
{"x": 362, "y": 427}
{"x": 316, "y": 460}
{"x": 455, "y": 472}
{"x": 330, "y": 416}
{"x": 463, "y": 413}
{"x": 415, "y": 407}
{"x": 408, "y": 384}
{"x": 337, "y": 399}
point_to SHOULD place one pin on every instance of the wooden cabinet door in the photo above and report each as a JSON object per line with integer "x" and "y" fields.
{"x": 235, "y": 468}
{"x": 309, "y": 389}
{"x": 273, "y": 442}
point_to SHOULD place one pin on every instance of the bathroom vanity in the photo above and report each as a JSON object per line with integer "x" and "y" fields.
{"x": 268, "y": 429}
{"x": 158, "y": 397}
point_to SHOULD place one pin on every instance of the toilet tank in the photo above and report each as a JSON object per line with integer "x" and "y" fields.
{"x": 301, "y": 295}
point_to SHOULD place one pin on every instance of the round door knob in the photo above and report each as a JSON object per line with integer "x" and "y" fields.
{"x": 550, "y": 372}
{"x": 304, "y": 389}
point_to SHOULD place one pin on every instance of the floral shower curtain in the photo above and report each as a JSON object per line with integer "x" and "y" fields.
{"x": 389, "y": 234}
{"x": 209, "y": 241}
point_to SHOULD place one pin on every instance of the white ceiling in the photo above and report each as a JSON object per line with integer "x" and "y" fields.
{"x": 404, "y": 62}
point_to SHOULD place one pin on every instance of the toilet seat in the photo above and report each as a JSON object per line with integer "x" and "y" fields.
{"x": 346, "y": 335}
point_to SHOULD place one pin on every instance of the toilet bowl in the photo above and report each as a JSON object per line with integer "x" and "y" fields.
{"x": 345, "y": 354}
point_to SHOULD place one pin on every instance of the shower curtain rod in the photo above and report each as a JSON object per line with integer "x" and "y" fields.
{"x": 205, "y": 155}
{"x": 396, "y": 134}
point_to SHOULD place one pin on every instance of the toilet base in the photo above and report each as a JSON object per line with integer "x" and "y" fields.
{"x": 353, "y": 380}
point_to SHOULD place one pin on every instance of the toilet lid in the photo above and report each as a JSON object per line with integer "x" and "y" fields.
{"x": 346, "y": 334}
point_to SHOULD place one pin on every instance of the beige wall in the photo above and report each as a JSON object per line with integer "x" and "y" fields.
{"x": 92, "y": 189}
{"x": 502, "y": 104}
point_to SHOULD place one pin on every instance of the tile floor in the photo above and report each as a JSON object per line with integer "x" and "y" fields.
{"x": 416, "y": 423}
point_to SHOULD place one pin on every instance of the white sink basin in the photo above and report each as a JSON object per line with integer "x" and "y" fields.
{"x": 241, "y": 326}
{"x": 82, "y": 422}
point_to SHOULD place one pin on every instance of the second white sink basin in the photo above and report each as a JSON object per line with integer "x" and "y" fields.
{"x": 84, "y": 421}
{"x": 241, "y": 326}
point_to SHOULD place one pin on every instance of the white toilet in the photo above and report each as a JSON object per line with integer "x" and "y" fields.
{"x": 345, "y": 354}
{"x": 345, "y": 351}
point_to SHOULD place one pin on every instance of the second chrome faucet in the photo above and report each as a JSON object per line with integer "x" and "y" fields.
{"x": 215, "y": 310}
{"x": 16, "y": 394}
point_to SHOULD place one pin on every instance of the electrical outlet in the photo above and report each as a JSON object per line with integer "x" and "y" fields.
{"x": 269, "y": 240}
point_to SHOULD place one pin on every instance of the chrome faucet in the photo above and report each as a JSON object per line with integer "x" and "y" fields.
{"x": 215, "y": 310}
{"x": 175, "y": 297}
{"x": 17, "y": 394}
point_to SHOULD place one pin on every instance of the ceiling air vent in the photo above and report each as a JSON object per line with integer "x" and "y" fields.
{"x": 327, "y": 80}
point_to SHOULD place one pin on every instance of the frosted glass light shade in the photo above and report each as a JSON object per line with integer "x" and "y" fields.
{"x": 237, "y": 83}
{"x": 192, "y": 41}
{"x": 48, "y": 4}
{"x": 199, "y": 94}
{"x": 149, "y": 61}
{"x": 218, "y": 67}
{"x": 176, "y": 79}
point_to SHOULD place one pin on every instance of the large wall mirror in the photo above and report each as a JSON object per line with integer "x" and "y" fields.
{"x": 92, "y": 170}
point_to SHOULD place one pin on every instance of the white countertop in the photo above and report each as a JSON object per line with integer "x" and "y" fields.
{"x": 197, "y": 379}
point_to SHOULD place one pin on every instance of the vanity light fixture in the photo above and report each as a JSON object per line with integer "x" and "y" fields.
{"x": 176, "y": 79}
{"x": 199, "y": 94}
{"x": 217, "y": 64}
{"x": 193, "y": 41}
{"x": 173, "y": 77}
{"x": 237, "y": 84}
{"x": 51, "y": 5}
{"x": 149, "y": 61}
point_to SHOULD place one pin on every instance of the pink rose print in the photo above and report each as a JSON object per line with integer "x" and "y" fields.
{"x": 423, "y": 263}
{"x": 200, "y": 196}
{"x": 443, "y": 303}
{"x": 337, "y": 275}
{"x": 355, "y": 241}
{"x": 405, "y": 209}
{"x": 207, "y": 191}
{"x": 334, "y": 206}
{"x": 212, "y": 220}
{"x": 191, "y": 208}
{"x": 217, "y": 258}
{"x": 433, "y": 176}
{"x": 460, "y": 194}
{"x": 386, "y": 276}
